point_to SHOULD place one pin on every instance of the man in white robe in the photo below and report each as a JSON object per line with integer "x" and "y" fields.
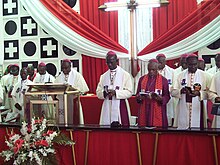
{"x": 215, "y": 68}
{"x": 182, "y": 66}
{"x": 75, "y": 79}
{"x": 115, "y": 86}
{"x": 10, "y": 82}
{"x": 1, "y": 95}
{"x": 201, "y": 65}
{"x": 167, "y": 72}
{"x": 190, "y": 111}
{"x": 5, "y": 101}
{"x": 18, "y": 93}
{"x": 214, "y": 95}
{"x": 44, "y": 77}
{"x": 177, "y": 71}
{"x": 1, "y": 100}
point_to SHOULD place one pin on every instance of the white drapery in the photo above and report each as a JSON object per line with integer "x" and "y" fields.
{"x": 205, "y": 36}
{"x": 64, "y": 34}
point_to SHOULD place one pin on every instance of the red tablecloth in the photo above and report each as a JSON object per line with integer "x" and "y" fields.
{"x": 92, "y": 108}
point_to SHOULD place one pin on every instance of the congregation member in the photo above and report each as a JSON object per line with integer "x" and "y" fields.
{"x": 215, "y": 68}
{"x": 214, "y": 95}
{"x": 1, "y": 96}
{"x": 201, "y": 63}
{"x": 31, "y": 72}
{"x": 167, "y": 72}
{"x": 115, "y": 87}
{"x": 177, "y": 71}
{"x": 191, "y": 89}
{"x": 153, "y": 95}
{"x": 18, "y": 93}
{"x": 44, "y": 77}
{"x": 7, "y": 74}
{"x": 207, "y": 103}
{"x": 75, "y": 79}
{"x": 182, "y": 64}
{"x": 1, "y": 100}
{"x": 10, "y": 83}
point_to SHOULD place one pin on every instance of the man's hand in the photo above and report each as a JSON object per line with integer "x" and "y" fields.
{"x": 217, "y": 100}
{"x": 139, "y": 98}
{"x": 18, "y": 106}
{"x": 157, "y": 97}
{"x": 183, "y": 90}
{"x": 111, "y": 93}
{"x": 195, "y": 93}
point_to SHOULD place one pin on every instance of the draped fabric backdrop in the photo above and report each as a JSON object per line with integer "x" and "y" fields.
{"x": 166, "y": 18}
{"x": 163, "y": 19}
{"x": 108, "y": 23}
{"x": 199, "y": 29}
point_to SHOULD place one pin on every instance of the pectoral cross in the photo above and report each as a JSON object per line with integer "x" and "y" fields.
{"x": 132, "y": 5}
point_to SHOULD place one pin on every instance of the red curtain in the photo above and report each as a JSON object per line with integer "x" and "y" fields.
{"x": 95, "y": 25}
{"x": 208, "y": 11}
{"x": 108, "y": 23}
{"x": 166, "y": 17}
{"x": 80, "y": 25}
{"x": 92, "y": 69}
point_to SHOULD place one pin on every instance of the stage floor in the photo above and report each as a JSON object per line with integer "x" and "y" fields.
{"x": 102, "y": 145}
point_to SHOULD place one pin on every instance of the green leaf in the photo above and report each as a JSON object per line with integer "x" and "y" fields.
{"x": 49, "y": 160}
{"x": 62, "y": 139}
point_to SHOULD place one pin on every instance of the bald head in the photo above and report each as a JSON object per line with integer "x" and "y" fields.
{"x": 152, "y": 68}
{"x": 162, "y": 61}
{"x": 66, "y": 67}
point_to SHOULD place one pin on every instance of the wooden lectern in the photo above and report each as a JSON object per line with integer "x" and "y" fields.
{"x": 36, "y": 89}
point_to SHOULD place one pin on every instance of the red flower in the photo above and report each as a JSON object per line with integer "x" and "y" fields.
{"x": 38, "y": 121}
{"x": 29, "y": 129}
{"x": 18, "y": 145}
{"x": 49, "y": 132}
{"x": 42, "y": 143}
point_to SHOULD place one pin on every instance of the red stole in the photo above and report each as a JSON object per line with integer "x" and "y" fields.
{"x": 155, "y": 108}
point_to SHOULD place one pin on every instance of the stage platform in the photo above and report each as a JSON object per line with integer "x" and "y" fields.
{"x": 103, "y": 145}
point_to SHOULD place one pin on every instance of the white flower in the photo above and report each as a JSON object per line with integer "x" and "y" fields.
{"x": 54, "y": 134}
{"x": 32, "y": 148}
{"x": 38, "y": 134}
{"x": 15, "y": 137}
{"x": 24, "y": 128}
{"x": 50, "y": 150}
{"x": 30, "y": 155}
{"x": 37, "y": 158}
{"x": 9, "y": 144}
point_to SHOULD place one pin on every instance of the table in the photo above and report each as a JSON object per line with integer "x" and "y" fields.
{"x": 91, "y": 106}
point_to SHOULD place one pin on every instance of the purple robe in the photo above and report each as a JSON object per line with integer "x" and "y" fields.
{"x": 165, "y": 99}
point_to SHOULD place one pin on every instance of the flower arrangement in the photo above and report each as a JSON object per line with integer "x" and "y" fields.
{"x": 34, "y": 144}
